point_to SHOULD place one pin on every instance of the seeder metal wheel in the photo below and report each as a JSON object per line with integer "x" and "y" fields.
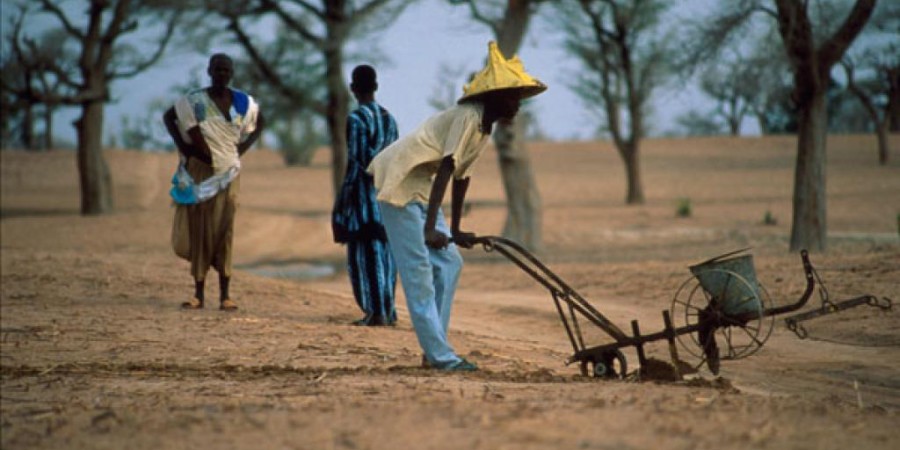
{"x": 736, "y": 338}
{"x": 611, "y": 365}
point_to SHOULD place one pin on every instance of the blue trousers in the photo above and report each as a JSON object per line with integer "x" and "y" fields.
{"x": 428, "y": 277}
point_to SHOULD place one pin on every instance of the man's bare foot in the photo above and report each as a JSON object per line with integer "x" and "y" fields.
{"x": 194, "y": 303}
{"x": 228, "y": 305}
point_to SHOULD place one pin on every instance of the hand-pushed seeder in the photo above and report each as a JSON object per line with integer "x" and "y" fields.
{"x": 722, "y": 301}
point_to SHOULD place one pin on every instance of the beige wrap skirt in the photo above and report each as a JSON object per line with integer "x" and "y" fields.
{"x": 203, "y": 233}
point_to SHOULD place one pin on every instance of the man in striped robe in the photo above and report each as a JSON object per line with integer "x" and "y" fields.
{"x": 356, "y": 219}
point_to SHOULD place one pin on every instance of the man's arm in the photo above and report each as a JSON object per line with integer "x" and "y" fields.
{"x": 251, "y": 139}
{"x": 434, "y": 238}
{"x": 460, "y": 238}
{"x": 188, "y": 150}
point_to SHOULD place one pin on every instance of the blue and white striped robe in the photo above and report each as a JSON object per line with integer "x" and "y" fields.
{"x": 356, "y": 219}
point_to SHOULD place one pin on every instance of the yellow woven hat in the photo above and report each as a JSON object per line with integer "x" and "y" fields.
{"x": 501, "y": 73}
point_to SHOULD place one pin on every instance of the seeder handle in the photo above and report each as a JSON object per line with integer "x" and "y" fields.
{"x": 809, "y": 272}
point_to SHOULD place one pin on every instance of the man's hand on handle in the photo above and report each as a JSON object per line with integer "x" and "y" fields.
{"x": 436, "y": 240}
{"x": 464, "y": 239}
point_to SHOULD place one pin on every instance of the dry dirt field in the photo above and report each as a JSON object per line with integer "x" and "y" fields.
{"x": 95, "y": 352}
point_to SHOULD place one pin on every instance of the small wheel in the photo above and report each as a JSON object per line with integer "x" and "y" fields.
{"x": 611, "y": 365}
{"x": 601, "y": 370}
{"x": 739, "y": 339}
{"x": 584, "y": 368}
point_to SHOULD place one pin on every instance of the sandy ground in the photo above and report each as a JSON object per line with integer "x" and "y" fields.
{"x": 95, "y": 352}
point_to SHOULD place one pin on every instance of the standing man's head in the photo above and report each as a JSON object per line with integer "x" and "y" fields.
{"x": 364, "y": 83}
{"x": 220, "y": 70}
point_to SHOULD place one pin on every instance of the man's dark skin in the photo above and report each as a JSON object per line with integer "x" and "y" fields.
{"x": 502, "y": 105}
{"x": 220, "y": 71}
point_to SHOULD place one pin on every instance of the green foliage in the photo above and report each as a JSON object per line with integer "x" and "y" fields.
{"x": 146, "y": 132}
{"x": 683, "y": 208}
{"x": 769, "y": 218}
{"x": 298, "y": 139}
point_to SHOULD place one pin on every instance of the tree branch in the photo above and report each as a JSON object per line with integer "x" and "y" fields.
{"x": 268, "y": 72}
{"x": 46, "y": 64}
{"x": 310, "y": 8}
{"x": 91, "y": 38}
{"x": 116, "y": 27}
{"x": 763, "y": 9}
{"x": 859, "y": 93}
{"x": 300, "y": 28}
{"x": 360, "y": 14}
{"x": 160, "y": 49}
{"x": 49, "y": 6}
{"x": 832, "y": 50}
{"x": 478, "y": 15}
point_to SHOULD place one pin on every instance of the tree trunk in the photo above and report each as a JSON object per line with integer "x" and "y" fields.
{"x": 48, "y": 127}
{"x": 94, "y": 176}
{"x": 336, "y": 114}
{"x": 337, "y": 125}
{"x": 812, "y": 65}
{"x": 734, "y": 126}
{"x": 763, "y": 124}
{"x": 27, "y": 131}
{"x": 808, "y": 230}
{"x": 523, "y": 201}
{"x": 881, "y": 130}
{"x": 893, "y": 106}
{"x": 635, "y": 195}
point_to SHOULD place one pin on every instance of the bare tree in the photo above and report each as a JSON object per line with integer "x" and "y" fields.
{"x": 28, "y": 81}
{"x": 812, "y": 51}
{"x": 98, "y": 57}
{"x": 873, "y": 74}
{"x": 622, "y": 47}
{"x": 868, "y": 93}
{"x": 695, "y": 123}
{"x": 731, "y": 84}
{"x": 447, "y": 89}
{"x": 812, "y": 63}
{"x": 326, "y": 28}
{"x": 297, "y": 125}
{"x": 508, "y": 21}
